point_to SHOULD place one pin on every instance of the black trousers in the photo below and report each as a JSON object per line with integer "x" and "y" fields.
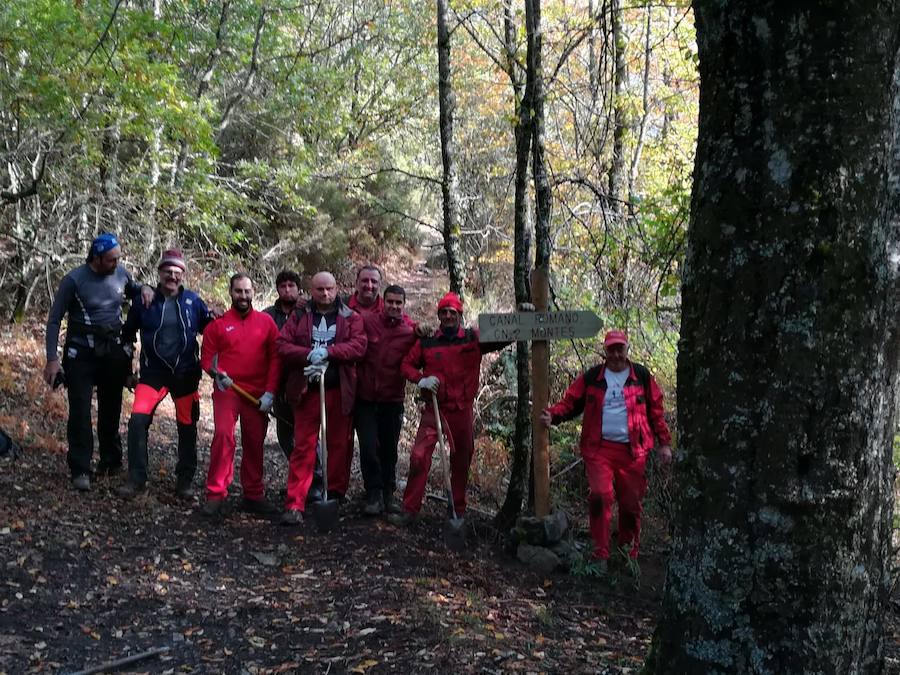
{"x": 179, "y": 385}
{"x": 378, "y": 426}
{"x": 86, "y": 371}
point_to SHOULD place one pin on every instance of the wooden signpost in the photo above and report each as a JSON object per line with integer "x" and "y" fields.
{"x": 539, "y": 327}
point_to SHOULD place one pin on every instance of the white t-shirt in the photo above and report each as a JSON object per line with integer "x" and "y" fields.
{"x": 615, "y": 416}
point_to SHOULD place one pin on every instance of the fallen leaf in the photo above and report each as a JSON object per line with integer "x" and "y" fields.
{"x": 364, "y": 666}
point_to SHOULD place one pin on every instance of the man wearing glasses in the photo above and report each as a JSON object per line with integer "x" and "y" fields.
{"x": 169, "y": 365}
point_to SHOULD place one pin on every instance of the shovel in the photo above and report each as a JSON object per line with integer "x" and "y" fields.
{"x": 325, "y": 512}
{"x": 455, "y": 527}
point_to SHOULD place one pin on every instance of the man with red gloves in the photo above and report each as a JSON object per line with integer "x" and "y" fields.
{"x": 244, "y": 341}
{"x": 378, "y": 415}
{"x": 447, "y": 363}
{"x": 326, "y": 339}
{"x": 623, "y": 418}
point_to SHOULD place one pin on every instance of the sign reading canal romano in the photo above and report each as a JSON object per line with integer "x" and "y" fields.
{"x": 527, "y": 326}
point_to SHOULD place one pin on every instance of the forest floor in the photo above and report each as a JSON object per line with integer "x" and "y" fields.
{"x": 89, "y": 579}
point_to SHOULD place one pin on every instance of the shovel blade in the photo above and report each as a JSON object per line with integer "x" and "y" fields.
{"x": 455, "y": 534}
{"x": 326, "y": 514}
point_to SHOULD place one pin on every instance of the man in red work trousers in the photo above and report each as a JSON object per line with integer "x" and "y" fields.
{"x": 326, "y": 339}
{"x": 449, "y": 364}
{"x": 623, "y": 417}
{"x": 244, "y": 340}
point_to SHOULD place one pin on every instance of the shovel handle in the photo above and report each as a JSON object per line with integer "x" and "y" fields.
{"x": 445, "y": 459}
{"x": 323, "y": 428}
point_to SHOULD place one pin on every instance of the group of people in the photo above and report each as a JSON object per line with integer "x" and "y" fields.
{"x": 347, "y": 357}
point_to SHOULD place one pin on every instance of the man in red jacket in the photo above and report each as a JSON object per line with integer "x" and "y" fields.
{"x": 366, "y": 299}
{"x": 326, "y": 339}
{"x": 378, "y": 415}
{"x": 244, "y": 340}
{"x": 449, "y": 364}
{"x": 623, "y": 417}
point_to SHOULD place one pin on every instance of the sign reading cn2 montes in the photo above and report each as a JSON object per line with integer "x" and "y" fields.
{"x": 527, "y": 326}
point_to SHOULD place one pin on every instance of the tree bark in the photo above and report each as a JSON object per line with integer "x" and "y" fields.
{"x": 787, "y": 370}
{"x": 617, "y": 170}
{"x": 515, "y": 493}
{"x": 450, "y": 181}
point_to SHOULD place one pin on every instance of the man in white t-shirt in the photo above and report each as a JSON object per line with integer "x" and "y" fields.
{"x": 623, "y": 419}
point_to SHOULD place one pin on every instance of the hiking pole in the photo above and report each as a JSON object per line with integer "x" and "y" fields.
{"x": 454, "y": 528}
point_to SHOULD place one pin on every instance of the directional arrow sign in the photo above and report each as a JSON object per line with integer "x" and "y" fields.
{"x": 526, "y": 326}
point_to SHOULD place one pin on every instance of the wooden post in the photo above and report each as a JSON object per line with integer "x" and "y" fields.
{"x": 540, "y": 387}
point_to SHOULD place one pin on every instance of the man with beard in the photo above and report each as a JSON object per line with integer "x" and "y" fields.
{"x": 170, "y": 364}
{"x": 325, "y": 340}
{"x": 244, "y": 341}
{"x": 94, "y": 356}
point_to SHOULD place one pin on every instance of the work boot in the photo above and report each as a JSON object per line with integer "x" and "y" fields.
{"x": 374, "y": 503}
{"x": 291, "y": 518}
{"x": 81, "y": 482}
{"x": 212, "y": 507}
{"x": 259, "y": 507}
{"x": 131, "y": 490}
{"x": 402, "y": 519}
{"x": 391, "y": 503}
{"x": 184, "y": 489}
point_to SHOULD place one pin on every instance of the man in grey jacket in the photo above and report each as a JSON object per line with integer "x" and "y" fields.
{"x": 92, "y": 296}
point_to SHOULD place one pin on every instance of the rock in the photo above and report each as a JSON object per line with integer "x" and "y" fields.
{"x": 566, "y": 552}
{"x": 539, "y": 559}
{"x": 265, "y": 558}
{"x": 532, "y": 530}
{"x": 555, "y": 526}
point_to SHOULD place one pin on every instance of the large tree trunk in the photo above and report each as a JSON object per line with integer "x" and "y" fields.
{"x": 787, "y": 369}
{"x": 450, "y": 181}
{"x": 618, "y": 166}
{"x": 515, "y": 493}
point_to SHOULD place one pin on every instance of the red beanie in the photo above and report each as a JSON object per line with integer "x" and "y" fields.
{"x": 452, "y": 301}
{"x": 171, "y": 257}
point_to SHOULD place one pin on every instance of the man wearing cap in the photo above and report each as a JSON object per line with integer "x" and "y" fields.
{"x": 169, "y": 364}
{"x": 448, "y": 363}
{"x": 323, "y": 341}
{"x": 239, "y": 353}
{"x": 94, "y": 356}
{"x": 623, "y": 419}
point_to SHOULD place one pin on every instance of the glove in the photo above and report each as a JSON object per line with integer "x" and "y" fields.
{"x": 266, "y": 401}
{"x": 223, "y": 382}
{"x": 315, "y": 372}
{"x": 317, "y": 356}
{"x": 431, "y": 383}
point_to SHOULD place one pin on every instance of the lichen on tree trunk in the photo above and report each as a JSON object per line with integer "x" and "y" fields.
{"x": 787, "y": 368}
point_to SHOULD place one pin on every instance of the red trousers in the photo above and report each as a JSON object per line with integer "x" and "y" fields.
{"x": 228, "y": 406}
{"x": 146, "y": 398}
{"x": 339, "y": 440}
{"x": 615, "y": 475}
{"x": 457, "y": 427}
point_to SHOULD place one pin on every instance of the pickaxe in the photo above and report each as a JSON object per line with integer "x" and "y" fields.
{"x": 214, "y": 371}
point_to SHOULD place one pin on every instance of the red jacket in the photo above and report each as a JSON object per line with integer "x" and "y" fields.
{"x": 456, "y": 361}
{"x": 375, "y": 308}
{"x": 645, "y": 418}
{"x": 246, "y": 349}
{"x": 295, "y": 344}
{"x": 389, "y": 340}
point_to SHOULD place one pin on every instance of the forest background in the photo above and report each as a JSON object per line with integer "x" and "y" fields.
{"x": 259, "y": 136}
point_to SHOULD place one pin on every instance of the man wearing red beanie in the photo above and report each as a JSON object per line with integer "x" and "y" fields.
{"x": 623, "y": 418}
{"x": 448, "y": 363}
